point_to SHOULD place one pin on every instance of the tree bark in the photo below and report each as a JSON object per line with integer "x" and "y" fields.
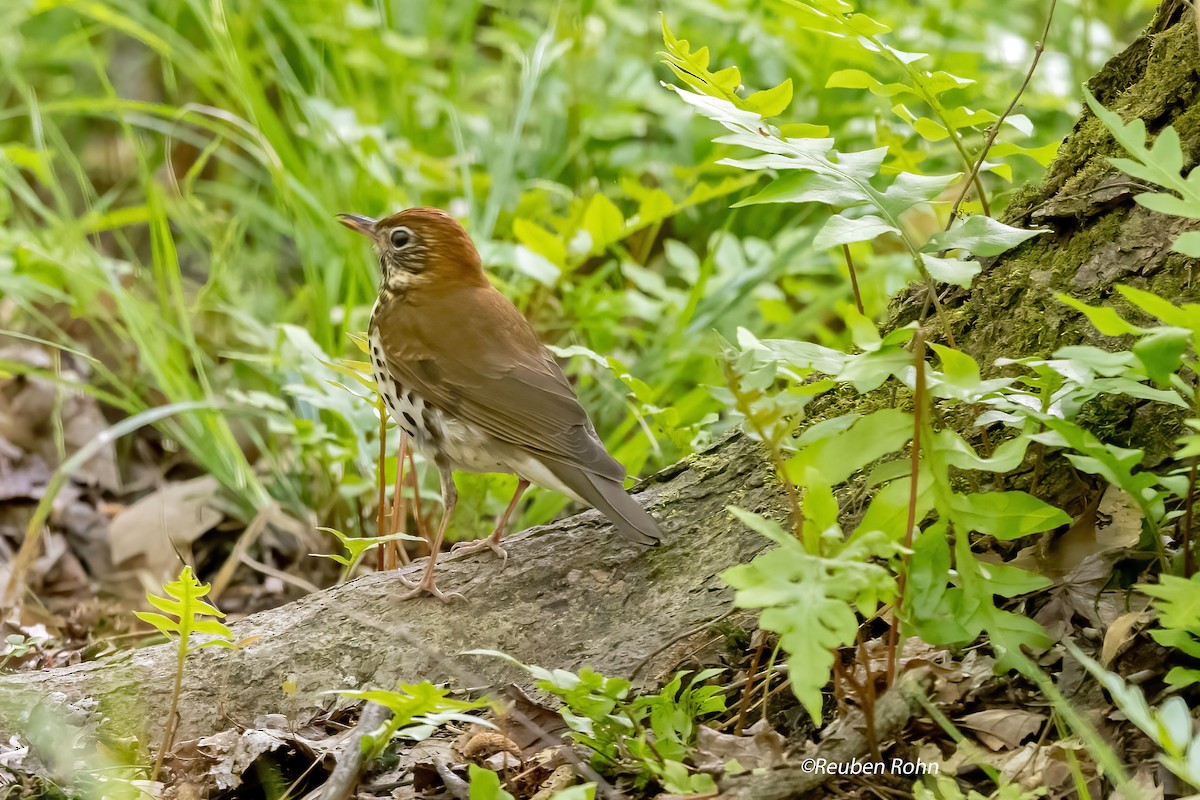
{"x": 572, "y": 592}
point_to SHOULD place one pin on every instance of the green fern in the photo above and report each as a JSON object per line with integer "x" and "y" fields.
{"x": 186, "y": 608}
{"x": 1161, "y": 164}
{"x": 1178, "y": 604}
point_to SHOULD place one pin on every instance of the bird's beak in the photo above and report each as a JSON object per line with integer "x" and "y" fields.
{"x": 358, "y": 223}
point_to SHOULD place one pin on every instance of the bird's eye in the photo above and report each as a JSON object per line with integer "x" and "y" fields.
{"x": 401, "y": 237}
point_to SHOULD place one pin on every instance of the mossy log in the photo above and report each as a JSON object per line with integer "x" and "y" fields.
{"x": 572, "y": 593}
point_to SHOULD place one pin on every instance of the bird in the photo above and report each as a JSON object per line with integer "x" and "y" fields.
{"x": 468, "y": 382}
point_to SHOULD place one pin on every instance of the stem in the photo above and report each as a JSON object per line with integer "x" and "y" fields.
{"x": 1038, "y": 48}
{"x": 911, "y": 522}
{"x": 172, "y": 715}
{"x": 867, "y": 697}
{"x": 748, "y": 693}
{"x": 853, "y": 279}
{"x": 1189, "y": 566}
{"x": 380, "y": 529}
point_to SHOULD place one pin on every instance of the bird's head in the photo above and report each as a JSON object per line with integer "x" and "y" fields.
{"x": 419, "y": 247}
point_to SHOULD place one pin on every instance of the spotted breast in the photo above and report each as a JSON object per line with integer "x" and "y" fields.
{"x": 443, "y": 439}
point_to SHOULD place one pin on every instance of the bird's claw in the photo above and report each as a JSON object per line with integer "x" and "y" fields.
{"x": 427, "y": 586}
{"x": 466, "y": 548}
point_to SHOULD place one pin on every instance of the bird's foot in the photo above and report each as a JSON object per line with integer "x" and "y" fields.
{"x": 466, "y": 548}
{"x": 428, "y": 586}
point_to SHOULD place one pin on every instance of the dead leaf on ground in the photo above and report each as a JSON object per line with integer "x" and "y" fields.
{"x": 1119, "y": 521}
{"x": 1120, "y": 635}
{"x": 762, "y": 746}
{"x": 1078, "y": 592}
{"x": 1004, "y": 728}
{"x": 174, "y": 516}
{"x": 530, "y": 725}
{"x": 31, "y": 406}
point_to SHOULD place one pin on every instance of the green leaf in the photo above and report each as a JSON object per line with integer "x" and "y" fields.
{"x": 485, "y": 784}
{"x": 954, "y": 271}
{"x": 770, "y": 102}
{"x": 980, "y": 236}
{"x": 603, "y": 221}
{"x": 1105, "y": 319}
{"x": 1164, "y": 203}
{"x": 858, "y": 79}
{"x": 541, "y": 241}
{"x": 1188, "y": 244}
{"x": 835, "y": 458}
{"x": 841, "y": 230}
{"x": 1161, "y": 352}
{"x": 1162, "y": 308}
{"x": 806, "y": 187}
{"x": 1009, "y": 581}
{"x": 907, "y": 190}
{"x": 165, "y": 626}
{"x": 1010, "y": 632}
{"x": 1006, "y": 515}
{"x": 760, "y": 524}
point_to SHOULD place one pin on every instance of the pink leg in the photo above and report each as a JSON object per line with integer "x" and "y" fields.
{"x": 396, "y": 550}
{"x": 493, "y": 542}
{"x": 427, "y": 584}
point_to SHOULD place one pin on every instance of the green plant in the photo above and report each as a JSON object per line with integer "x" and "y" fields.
{"x": 812, "y": 171}
{"x": 417, "y": 710}
{"x": 1177, "y": 602}
{"x": 1161, "y": 164}
{"x": 183, "y": 615}
{"x": 17, "y": 646}
{"x": 651, "y": 735}
{"x": 1169, "y": 726}
{"x": 358, "y": 546}
{"x": 917, "y": 523}
{"x": 485, "y": 785}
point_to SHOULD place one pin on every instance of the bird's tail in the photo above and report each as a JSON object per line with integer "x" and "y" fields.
{"x": 610, "y": 498}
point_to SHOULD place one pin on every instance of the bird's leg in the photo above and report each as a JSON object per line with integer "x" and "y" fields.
{"x": 493, "y": 542}
{"x": 449, "y": 500}
{"x": 397, "y": 553}
{"x": 418, "y": 514}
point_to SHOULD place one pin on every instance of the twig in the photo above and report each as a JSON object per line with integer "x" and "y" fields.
{"x": 867, "y": 698}
{"x": 911, "y": 521}
{"x": 1188, "y": 516}
{"x": 1038, "y": 48}
{"x": 380, "y": 530}
{"x": 973, "y": 179}
{"x": 691, "y": 632}
{"x": 853, "y": 279}
{"x": 748, "y": 692}
{"x": 266, "y": 569}
{"x": 350, "y": 764}
{"x": 241, "y": 547}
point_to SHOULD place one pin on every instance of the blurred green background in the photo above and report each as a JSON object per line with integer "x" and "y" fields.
{"x": 169, "y": 172}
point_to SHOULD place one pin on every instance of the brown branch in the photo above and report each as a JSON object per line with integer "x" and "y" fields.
{"x": 1038, "y": 48}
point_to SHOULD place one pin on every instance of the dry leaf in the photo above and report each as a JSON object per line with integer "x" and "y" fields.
{"x": 174, "y": 516}
{"x": 1004, "y": 728}
{"x": 763, "y": 746}
{"x": 1120, "y": 635}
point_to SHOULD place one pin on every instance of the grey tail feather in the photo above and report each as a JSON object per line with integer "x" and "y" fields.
{"x": 610, "y": 498}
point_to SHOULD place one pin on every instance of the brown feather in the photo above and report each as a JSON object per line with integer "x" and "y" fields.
{"x": 467, "y": 350}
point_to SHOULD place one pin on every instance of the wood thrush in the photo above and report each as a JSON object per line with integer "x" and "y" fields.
{"x": 467, "y": 381}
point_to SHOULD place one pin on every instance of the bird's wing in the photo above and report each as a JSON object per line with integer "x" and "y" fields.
{"x": 469, "y": 352}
